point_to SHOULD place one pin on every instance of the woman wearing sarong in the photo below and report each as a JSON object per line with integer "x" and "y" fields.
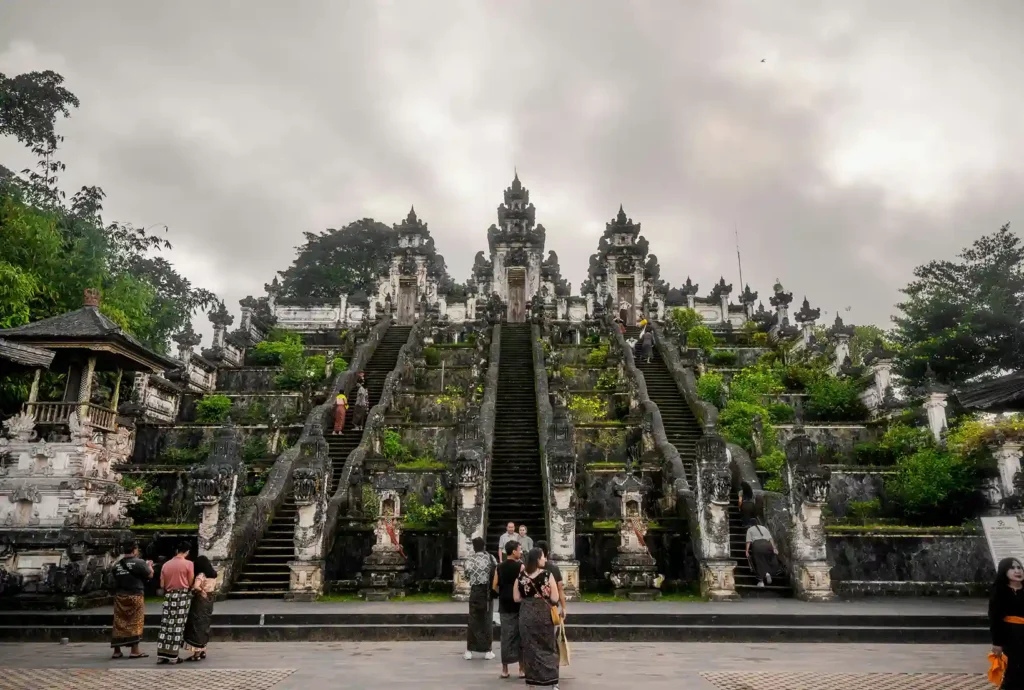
{"x": 505, "y": 579}
{"x": 537, "y": 598}
{"x": 748, "y": 507}
{"x": 130, "y": 575}
{"x": 761, "y": 553}
{"x": 1006, "y": 621}
{"x": 176, "y": 578}
{"x": 479, "y": 570}
{"x": 200, "y": 613}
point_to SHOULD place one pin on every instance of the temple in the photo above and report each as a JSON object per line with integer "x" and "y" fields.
{"x": 508, "y": 399}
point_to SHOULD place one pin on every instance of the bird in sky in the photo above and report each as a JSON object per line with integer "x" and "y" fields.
{"x": 762, "y": 59}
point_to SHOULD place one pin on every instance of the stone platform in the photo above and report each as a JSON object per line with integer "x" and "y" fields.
{"x": 929, "y": 621}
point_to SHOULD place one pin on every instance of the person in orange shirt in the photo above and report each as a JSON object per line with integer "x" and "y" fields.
{"x": 176, "y": 578}
{"x": 340, "y": 409}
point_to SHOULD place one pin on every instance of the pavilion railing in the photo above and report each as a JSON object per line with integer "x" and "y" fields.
{"x": 58, "y": 413}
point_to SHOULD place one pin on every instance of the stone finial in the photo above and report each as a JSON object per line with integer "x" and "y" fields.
{"x": 91, "y": 298}
{"x": 220, "y": 317}
{"x": 721, "y": 289}
{"x": 780, "y": 298}
{"x": 689, "y": 289}
{"x": 806, "y": 315}
{"x": 840, "y": 329}
{"x": 880, "y": 352}
{"x": 187, "y": 338}
{"x": 748, "y": 297}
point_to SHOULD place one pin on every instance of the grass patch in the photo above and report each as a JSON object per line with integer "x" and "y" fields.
{"x": 421, "y": 465}
{"x": 184, "y": 526}
{"x": 608, "y": 597}
{"x": 338, "y": 598}
{"x": 901, "y": 529}
{"x": 418, "y": 598}
{"x": 606, "y": 524}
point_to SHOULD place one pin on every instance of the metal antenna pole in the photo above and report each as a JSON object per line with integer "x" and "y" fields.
{"x": 739, "y": 261}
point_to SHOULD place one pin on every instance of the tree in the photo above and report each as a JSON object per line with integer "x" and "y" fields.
{"x": 30, "y": 104}
{"x": 339, "y": 262}
{"x": 964, "y": 317}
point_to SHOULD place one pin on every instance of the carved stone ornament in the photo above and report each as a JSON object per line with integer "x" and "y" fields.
{"x": 408, "y": 266}
{"x": 110, "y": 496}
{"x": 625, "y": 264}
{"x": 517, "y": 257}
{"x": 306, "y": 483}
{"x": 810, "y": 480}
{"x": 26, "y": 493}
{"x": 21, "y": 427}
{"x": 562, "y": 466}
{"x": 713, "y": 468}
{"x": 211, "y": 483}
{"x": 468, "y": 467}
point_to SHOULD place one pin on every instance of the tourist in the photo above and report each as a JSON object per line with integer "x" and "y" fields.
{"x": 130, "y": 574}
{"x": 525, "y": 541}
{"x": 624, "y": 310}
{"x": 200, "y": 613}
{"x": 504, "y": 584}
{"x": 510, "y": 535}
{"x": 761, "y": 552}
{"x": 340, "y": 410}
{"x": 646, "y": 345}
{"x": 556, "y": 573}
{"x": 362, "y": 407}
{"x": 748, "y": 507}
{"x": 479, "y": 573}
{"x": 622, "y": 326}
{"x": 536, "y": 597}
{"x": 176, "y": 580}
{"x": 1006, "y": 620}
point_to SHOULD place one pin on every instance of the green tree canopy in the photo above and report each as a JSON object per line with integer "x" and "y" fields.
{"x": 964, "y": 316}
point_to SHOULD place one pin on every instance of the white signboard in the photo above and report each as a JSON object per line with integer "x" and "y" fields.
{"x": 1004, "y": 537}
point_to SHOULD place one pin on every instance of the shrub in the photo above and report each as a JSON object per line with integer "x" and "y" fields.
{"x": 213, "y": 409}
{"x": 684, "y": 319}
{"x": 419, "y": 515}
{"x": 735, "y": 423}
{"x": 752, "y": 384}
{"x": 587, "y": 408}
{"x": 338, "y": 365}
{"x": 710, "y": 387}
{"x": 371, "y": 505}
{"x": 608, "y": 380}
{"x": 772, "y": 463}
{"x": 276, "y": 348}
{"x": 298, "y": 371}
{"x": 423, "y": 463}
{"x": 780, "y": 413}
{"x": 723, "y": 358}
{"x": 759, "y": 339}
{"x": 452, "y": 399}
{"x": 973, "y": 438}
{"x": 255, "y": 448}
{"x": 150, "y": 502}
{"x": 933, "y": 486}
{"x": 700, "y": 338}
{"x": 545, "y": 346}
{"x": 432, "y": 356}
{"x": 254, "y": 485}
{"x": 832, "y": 399}
{"x": 185, "y": 456}
{"x": 255, "y": 412}
{"x": 598, "y": 357}
{"x": 863, "y": 511}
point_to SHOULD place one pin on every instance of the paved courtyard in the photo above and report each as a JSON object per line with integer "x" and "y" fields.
{"x": 596, "y": 666}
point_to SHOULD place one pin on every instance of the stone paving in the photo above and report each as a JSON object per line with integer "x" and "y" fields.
{"x": 419, "y": 665}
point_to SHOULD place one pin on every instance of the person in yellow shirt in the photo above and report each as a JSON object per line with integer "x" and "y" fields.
{"x": 340, "y": 410}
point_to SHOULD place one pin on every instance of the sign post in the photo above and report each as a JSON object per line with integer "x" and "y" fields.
{"x": 1002, "y": 532}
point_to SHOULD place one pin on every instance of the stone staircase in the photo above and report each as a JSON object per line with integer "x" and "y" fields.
{"x": 516, "y": 490}
{"x": 746, "y": 580}
{"x": 266, "y": 575}
{"x": 681, "y": 426}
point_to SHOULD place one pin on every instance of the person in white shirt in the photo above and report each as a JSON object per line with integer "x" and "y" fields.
{"x": 761, "y": 553}
{"x": 510, "y": 535}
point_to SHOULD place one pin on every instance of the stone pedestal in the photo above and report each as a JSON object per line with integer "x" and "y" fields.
{"x": 570, "y": 579}
{"x": 460, "y": 585}
{"x": 935, "y": 406}
{"x": 635, "y": 575}
{"x": 306, "y": 581}
{"x": 812, "y": 580}
{"x": 718, "y": 581}
{"x": 384, "y": 576}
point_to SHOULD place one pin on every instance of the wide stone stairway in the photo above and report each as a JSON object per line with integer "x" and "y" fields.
{"x": 746, "y": 580}
{"x": 681, "y": 426}
{"x": 516, "y": 490}
{"x": 266, "y": 575}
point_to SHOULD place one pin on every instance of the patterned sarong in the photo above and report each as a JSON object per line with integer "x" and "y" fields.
{"x": 129, "y": 616}
{"x": 479, "y": 634}
{"x": 197, "y": 629}
{"x": 172, "y": 625}
{"x": 539, "y": 649}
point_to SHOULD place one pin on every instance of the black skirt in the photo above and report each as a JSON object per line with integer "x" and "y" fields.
{"x": 479, "y": 634}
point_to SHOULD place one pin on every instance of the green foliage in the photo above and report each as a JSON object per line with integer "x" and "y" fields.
{"x": 755, "y": 383}
{"x": 453, "y": 399}
{"x": 338, "y": 365}
{"x": 832, "y": 399}
{"x": 30, "y": 104}
{"x": 608, "y": 380}
{"x": 800, "y": 376}
{"x": 371, "y": 506}
{"x": 253, "y": 487}
{"x": 185, "y": 456}
{"x": 933, "y": 486}
{"x": 587, "y": 408}
{"x": 700, "y": 338}
{"x": 684, "y": 319}
{"x": 213, "y": 409}
{"x": 710, "y": 387}
{"x": 780, "y": 413}
{"x": 863, "y": 340}
{"x": 418, "y": 515}
{"x": 255, "y": 448}
{"x": 545, "y": 346}
{"x": 735, "y": 423}
{"x": 392, "y": 447}
{"x": 567, "y": 372}
{"x": 772, "y": 463}
{"x": 278, "y": 347}
{"x": 150, "y": 500}
{"x": 723, "y": 358}
{"x": 432, "y": 356}
{"x": 973, "y": 438}
{"x": 421, "y": 464}
{"x": 598, "y": 357}
{"x": 298, "y": 372}
{"x": 256, "y": 412}
{"x": 964, "y": 316}
{"x": 863, "y": 511}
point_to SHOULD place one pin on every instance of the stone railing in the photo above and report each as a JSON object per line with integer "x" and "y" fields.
{"x": 342, "y": 499}
{"x": 256, "y": 513}
{"x": 488, "y": 414}
{"x": 686, "y": 381}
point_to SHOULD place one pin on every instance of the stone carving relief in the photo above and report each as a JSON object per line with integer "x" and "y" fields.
{"x": 21, "y": 427}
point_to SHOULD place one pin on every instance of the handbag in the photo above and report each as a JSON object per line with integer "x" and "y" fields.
{"x": 555, "y": 620}
{"x": 997, "y": 668}
{"x": 563, "y": 647}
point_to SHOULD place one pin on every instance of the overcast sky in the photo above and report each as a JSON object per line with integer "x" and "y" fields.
{"x": 873, "y": 136}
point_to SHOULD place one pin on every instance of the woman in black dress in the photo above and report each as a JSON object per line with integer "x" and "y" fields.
{"x": 1006, "y": 620}
{"x": 748, "y": 507}
{"x": 536, "y": 597}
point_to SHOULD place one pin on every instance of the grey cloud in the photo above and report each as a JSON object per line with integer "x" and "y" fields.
{"x": 241, "y": 125}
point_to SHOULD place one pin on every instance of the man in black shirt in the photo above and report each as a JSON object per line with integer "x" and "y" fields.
{"x": 130, "y": 574}
{"x": 505, "y": 577}
{"x": 555, "y": 573}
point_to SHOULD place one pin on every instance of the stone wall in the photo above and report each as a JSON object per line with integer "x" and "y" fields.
{"x": 605, "y": 443}
{"x": 670, "y": 546}
{"x": 247, "y": 379}
{"x": 876, "y": 563}
{"x": 430, "y": 554}
{"x": 843, "y": 437}
{"x": 852, "y": 484}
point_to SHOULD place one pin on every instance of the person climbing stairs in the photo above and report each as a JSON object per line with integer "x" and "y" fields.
{"x": 266, "y": 575}
{"x": 746, "y": 579}
{"x": 516, "y": 491}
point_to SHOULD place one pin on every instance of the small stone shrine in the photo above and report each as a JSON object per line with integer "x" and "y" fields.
{"x": 384, "y": 574}
{"x": 634, "y": 571}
